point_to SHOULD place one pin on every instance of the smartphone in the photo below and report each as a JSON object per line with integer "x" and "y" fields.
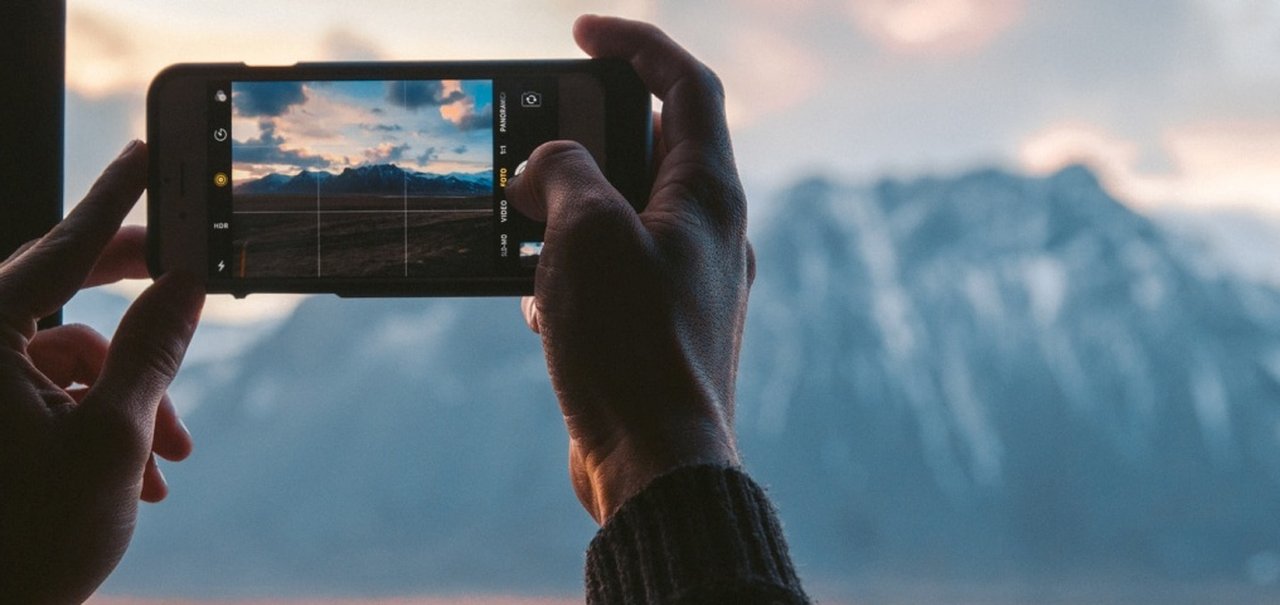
{"x": 373, "y": 179}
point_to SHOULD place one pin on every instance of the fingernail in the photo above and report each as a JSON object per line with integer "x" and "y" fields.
{"x": 511, "y": 182}
{"x": 128, "y": 148}
{"x": 182, "y": 425}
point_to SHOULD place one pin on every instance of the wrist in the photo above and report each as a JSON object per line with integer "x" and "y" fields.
{"x": 628, "y": 468}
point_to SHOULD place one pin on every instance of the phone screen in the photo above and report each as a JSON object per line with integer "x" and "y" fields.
{"x": 373, "y": 178}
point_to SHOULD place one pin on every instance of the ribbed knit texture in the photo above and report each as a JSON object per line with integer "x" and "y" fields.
{"x": 699, "y": 534}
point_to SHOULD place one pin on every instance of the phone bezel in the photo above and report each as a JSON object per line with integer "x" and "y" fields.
{"x": 177, "y": 129}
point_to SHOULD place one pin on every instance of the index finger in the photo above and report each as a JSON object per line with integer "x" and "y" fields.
{"x": 39, "y": 281}
{"x": 692, "y": 95}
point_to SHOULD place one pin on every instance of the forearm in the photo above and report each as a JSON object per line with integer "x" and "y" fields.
{"x": 701, "y": 534}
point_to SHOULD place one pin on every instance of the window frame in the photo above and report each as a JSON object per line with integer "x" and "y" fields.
{"x": 32, "y": 120}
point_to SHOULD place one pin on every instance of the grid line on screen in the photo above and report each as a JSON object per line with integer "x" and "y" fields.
{"x": 352, "y": 139}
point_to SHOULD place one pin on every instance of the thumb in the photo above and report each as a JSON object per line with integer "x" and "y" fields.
{"x": 559, "y": 179}
{"x": 143, "y": 359}
{"x": 590, "y": 226}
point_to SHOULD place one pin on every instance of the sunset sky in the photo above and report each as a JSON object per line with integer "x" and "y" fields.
{"x": 428, "y": 126}
{"x": 1173, "y": 102}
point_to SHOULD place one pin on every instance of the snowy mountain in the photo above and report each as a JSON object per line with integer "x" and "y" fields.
{"x": 1236, "y": 241}
{"x": 372, "y": 179}
{"x": 971, "y": 377}
{"x": 992, "y": 369}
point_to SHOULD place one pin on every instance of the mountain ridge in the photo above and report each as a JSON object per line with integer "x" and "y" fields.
{"x": 980, "y": 376}
{"x": 370, "y": 179}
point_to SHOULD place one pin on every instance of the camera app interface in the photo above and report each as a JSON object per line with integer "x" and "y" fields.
{"x": 373, "y": 179}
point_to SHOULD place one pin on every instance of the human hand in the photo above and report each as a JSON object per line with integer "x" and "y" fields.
{"x": 641, "y": 314}
{"x": 81, "y": 419}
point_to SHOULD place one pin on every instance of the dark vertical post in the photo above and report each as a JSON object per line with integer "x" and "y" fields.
{"x": 33, "y": 36}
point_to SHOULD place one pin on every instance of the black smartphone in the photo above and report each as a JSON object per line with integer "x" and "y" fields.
{"x": 373, "y": 179}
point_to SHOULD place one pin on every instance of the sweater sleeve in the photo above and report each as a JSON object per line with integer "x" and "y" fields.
{"x": 699, "y": 534}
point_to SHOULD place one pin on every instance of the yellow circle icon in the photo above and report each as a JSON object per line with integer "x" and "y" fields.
{"x": 220, "y": 179}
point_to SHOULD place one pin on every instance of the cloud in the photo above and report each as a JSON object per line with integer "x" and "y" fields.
{"x": 1248, "y": 38}
{"x": 853, "y": 90}
{"x": 267, "y": 99}
{"x": 766, "y": 73}
{"x": 422, "y": 93}
{"x": 465, "y": 116}
{"x": 456, "y": 106}
{"x": 462, "y": 111}
{"x": 935, "y": 26}
{"x": 345, "y": 45}
{"x": 101, "y": 54}
{"x": 432, "y": 154}
{"x": 382, "y": 127}
{"x": 269, "y": 149}
{"x": 1228, "y": 162}
{"x": 1068, "y": 143}
{"x": 1211, "y": 163}
{"x": 385, "y": 153}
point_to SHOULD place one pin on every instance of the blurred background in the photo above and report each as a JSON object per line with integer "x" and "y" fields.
{"x": 1015, "y": 338}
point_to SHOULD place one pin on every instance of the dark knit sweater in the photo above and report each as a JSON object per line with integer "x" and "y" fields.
{"x": 699, "y": 534}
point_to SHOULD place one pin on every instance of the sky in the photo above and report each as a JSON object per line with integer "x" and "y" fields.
{"x": 1172, "y": 102}
{"x": 429, "y": 126}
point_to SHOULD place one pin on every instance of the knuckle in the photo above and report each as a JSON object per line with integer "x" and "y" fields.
{"x": 68, "y": 234}
{"x": 160, "y": 361}
{"x": 711, "y": 81}
{"x": 83, "y": 332}
{"x": 555, "y": 152}
{"x": 16, "y": 329}
{"x": 699, "y": 81}
{"x": 21, "y": 250}
{"x": 720, "y": 197}
{"x": 650, "y": 31}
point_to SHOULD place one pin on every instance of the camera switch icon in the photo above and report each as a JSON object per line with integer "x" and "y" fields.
{"x": 530, "y": 99}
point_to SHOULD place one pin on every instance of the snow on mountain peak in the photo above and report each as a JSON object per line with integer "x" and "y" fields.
{"x": 1017, "y": 365}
